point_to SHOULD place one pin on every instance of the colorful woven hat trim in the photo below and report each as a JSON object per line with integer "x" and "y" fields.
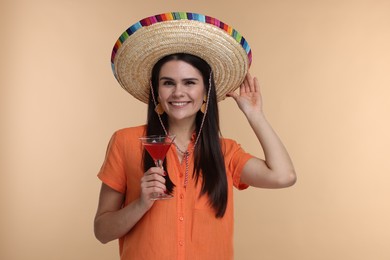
{"x": 181, "y": 16}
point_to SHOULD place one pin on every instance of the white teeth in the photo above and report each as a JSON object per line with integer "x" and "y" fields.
{"x": 179, "y": 103}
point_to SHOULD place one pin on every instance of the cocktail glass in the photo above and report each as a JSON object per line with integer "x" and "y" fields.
{"x": 157, "y": 146}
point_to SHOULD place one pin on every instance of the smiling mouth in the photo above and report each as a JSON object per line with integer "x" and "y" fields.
{"x": 178, "y": 104}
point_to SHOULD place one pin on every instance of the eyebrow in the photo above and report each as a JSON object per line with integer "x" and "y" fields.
{"x": 186, "y": 79}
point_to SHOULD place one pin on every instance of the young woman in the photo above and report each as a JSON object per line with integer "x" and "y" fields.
{"x": 200, "y": 170}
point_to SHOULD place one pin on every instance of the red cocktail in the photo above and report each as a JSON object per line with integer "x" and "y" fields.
{"x": 157, "y": 146}
{"x": 157, "y": 150}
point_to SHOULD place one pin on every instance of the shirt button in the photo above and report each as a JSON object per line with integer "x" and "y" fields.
{"x": 181, "y": 174}
{"x": 181, "y": 243}
{"x": 181, "y": 218}
{"x": 181, "y": 196}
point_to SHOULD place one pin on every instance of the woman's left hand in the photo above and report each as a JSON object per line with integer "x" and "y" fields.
{"x": 249, "y": 98}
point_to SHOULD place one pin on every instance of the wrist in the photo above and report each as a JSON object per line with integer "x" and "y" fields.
{"x": 142, "y": 205}
{"x": 256, "y": 116}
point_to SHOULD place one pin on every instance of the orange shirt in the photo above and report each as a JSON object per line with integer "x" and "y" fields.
{"x": 183, "y": 227}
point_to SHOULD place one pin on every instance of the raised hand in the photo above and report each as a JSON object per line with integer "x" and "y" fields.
{"x": 249, "y": 97}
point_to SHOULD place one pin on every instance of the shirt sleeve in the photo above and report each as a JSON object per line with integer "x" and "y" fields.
{"x": 235, "y": 160}
{"x": 112, "y": 172}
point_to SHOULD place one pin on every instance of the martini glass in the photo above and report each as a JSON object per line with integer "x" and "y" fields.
{"x": 157, "y": 146}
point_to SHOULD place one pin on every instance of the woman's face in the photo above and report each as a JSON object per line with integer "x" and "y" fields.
{"x": 181, "y": 90}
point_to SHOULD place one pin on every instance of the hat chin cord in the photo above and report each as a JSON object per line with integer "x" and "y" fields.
{"x": 187, "y": 152}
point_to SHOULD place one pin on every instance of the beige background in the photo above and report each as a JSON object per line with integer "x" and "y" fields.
{"x": 325, "y": 73}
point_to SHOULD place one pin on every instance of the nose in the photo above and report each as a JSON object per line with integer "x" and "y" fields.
{"x": 178, "y": 91}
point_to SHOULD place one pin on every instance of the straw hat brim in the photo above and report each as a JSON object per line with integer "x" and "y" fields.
{"x": 135, "y": 56}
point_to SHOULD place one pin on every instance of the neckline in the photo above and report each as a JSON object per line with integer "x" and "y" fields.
{"x": 190, "y": 147}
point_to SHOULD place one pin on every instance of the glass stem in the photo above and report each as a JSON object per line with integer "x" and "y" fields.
{"x": 159, "y": 163}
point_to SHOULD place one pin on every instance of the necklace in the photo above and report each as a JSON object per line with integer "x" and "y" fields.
{"x": 186, "y": 155}
{"x": 178, "y": 148}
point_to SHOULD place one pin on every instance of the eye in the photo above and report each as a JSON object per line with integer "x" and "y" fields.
{"x": 190, "y": 82}
{"x": 168, "y": 83}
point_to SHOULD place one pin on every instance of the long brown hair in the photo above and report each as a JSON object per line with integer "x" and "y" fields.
{"x": 209, "y": 161}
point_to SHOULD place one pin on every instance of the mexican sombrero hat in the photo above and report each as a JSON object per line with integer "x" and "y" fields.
{"x": 144, "y": 43}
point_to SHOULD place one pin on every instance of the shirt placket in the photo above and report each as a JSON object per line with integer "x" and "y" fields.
{"x": 181, "y": 218}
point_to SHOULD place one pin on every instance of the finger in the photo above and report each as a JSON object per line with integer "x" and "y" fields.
{"x": 250, "y": 83}
{"x": 233, "y": 95}
{"x": 155, "y": 170}
{"x": 152, "y": 193}
{"x": 256, "y": 84}
{"x": 153, "y": 178}
{"x": 150, "y": 186}
{"x": 247, "y": 83}
{"x": 154, "y": 185}
{"x": 243, "y": 87}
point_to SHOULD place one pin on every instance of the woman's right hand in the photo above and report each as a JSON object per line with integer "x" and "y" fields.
{"x": 152, "y": 182}
{"x": 113, "y": 221}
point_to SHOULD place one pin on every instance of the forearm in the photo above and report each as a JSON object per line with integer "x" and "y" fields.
{"x": 113, "y": 225}
{"x": 277, "y": 158}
